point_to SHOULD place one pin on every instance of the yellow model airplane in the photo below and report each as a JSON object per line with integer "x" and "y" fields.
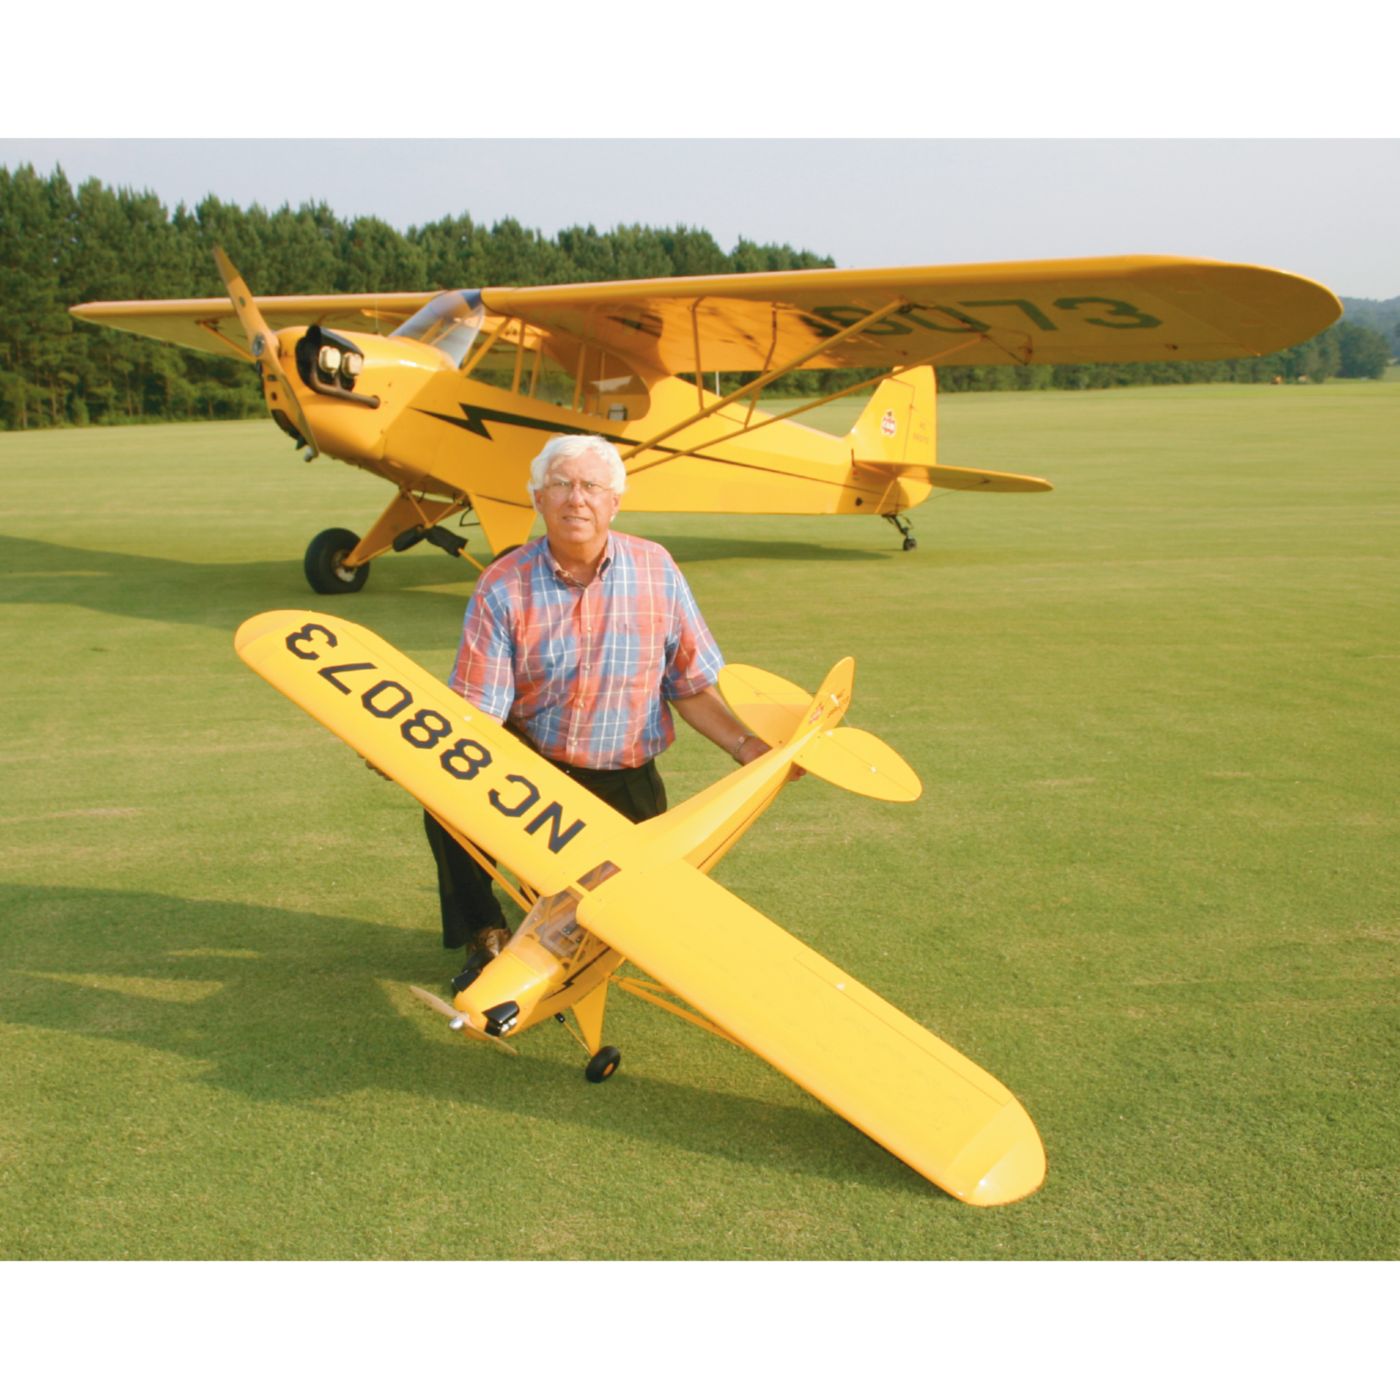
{"x": 599, "y": 890}
{"x": 448, "y": 397}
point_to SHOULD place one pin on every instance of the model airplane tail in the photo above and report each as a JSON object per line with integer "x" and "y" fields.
{"x": 779, "y": 711}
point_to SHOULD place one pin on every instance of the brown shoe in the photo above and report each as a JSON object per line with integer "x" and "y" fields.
{"x": 492, "y": 940}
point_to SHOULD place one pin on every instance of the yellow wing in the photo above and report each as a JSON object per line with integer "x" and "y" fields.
{"x": 1070, "y": 311}
{"x": 459, "y": 763}
{"x": 209, "y": 323}
{"x": 878, "y": 1069}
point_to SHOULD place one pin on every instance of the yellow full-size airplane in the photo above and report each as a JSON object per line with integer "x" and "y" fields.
{"x": 449, "y": 396}
{"x": 598, "y": 891}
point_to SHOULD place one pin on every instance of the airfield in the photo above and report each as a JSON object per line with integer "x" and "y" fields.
{"x": 1151, "y": 885}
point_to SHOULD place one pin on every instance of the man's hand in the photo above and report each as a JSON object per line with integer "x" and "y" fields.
{"x": 707, "y": 714}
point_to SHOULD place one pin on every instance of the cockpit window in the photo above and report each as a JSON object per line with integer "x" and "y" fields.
{"x": 449, "y": 323}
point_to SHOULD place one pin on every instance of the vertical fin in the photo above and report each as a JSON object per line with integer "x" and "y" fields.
{"x": 899, "y": 423}
{"x": 833, "y": 697}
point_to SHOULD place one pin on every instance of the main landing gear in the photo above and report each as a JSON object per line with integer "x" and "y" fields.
{"x": 327, "y": 571}
{"x": 902, "y": 525}
{"x": 603, "y": 1065}
{"x": 325, "y": 566}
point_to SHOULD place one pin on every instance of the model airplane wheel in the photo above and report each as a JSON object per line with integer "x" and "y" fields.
{"x": 603, "y": 1065}
{"x": 326, "y": 571}
{"x": 911, "y": 543}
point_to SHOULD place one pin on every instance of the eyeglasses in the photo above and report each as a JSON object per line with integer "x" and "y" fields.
{"x": 592, "y": 490}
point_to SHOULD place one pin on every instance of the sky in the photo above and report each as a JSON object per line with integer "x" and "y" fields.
{"x": 896, "y": 133}
{"x": 1327, "y": 209}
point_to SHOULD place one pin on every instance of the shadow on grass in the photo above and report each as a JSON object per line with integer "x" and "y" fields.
{"x": 221, "y": 595}
{"x": 284, "y": 1007}
{"x": 694, "y": 549}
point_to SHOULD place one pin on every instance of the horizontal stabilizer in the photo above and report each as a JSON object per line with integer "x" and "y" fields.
{"x": 769, "y": 705}
{"x": 776, "y": 709}
{"x": 861, "y": 762}
{"x": 959, "y": 478}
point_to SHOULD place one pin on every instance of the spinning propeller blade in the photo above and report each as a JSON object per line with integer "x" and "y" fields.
{"x": 262, "y": 341}
{"x": 460, "y": 1023}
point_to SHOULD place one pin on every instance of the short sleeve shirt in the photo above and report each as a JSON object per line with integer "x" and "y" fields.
{"x": 586, "y": 672}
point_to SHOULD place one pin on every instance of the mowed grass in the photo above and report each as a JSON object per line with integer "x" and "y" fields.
{"x": 1152, "y": 884}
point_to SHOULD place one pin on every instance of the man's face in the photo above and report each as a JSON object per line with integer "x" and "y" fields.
{"x": 577, "y": 504}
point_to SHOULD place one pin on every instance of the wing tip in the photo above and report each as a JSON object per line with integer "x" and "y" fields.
{"x": 1007, "y": 1156}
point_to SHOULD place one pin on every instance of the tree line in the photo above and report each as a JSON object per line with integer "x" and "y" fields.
{"x": 60, "y": 246}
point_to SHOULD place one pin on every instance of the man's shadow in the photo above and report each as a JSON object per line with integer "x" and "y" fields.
{"x": 284, "y": 1007}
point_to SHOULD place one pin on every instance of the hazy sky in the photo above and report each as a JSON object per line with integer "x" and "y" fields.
{"x": 1237, "y": 133}
{"x": 1328, "y": 209}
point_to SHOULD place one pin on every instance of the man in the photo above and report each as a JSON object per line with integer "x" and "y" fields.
{"x": 580, "y": 642}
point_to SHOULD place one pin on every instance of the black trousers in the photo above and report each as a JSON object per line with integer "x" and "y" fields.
{"x": 467, "y": 901}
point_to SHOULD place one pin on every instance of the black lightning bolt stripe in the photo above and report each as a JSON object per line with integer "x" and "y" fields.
{"x": 477, "y": 418}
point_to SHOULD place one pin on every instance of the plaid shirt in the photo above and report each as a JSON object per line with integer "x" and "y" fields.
{"x": 586, "y": 672}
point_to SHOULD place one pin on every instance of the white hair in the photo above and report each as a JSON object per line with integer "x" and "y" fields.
{"x": 565, "y": 449}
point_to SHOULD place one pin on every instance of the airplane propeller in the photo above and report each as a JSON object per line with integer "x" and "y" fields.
{"x": 458, "y": 1022}
{"x": 262, "y": 341}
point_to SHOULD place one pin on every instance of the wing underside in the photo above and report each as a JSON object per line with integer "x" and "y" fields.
{"x": 883, "y": 1072}
{"x": 1070, "y": 311}
{"x": 210, "y": 324}
{"x": 459, "y": 763}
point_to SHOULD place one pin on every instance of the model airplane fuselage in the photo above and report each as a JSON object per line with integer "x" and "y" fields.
{"x": 450, "y": 396}
{"x": 598, "y": 890}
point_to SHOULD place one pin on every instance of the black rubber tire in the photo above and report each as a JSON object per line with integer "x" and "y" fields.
{"x": 324, "y": 570}
{"x": 911, "y": 543}
{"x": 603, "y": 1065}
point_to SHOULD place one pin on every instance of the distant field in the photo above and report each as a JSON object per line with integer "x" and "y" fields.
{"x": 1152, "y": 885}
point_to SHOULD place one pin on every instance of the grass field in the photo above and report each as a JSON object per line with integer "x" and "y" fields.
{"x": 1152, "y": 885}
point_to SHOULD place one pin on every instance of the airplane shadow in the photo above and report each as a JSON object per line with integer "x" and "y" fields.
{"x": 692, "y": 549}
{"x": 220, "y": 595}
{"x": 285, "y": 1007}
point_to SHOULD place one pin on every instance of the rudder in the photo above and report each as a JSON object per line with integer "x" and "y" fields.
{"x": 899, "y": 423}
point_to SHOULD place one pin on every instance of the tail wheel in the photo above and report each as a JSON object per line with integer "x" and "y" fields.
{"x": 603, "y": 1065}
{"x": 325, "y": 565}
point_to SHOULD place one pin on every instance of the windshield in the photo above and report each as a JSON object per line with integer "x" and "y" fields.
{"x": 448, "y": 323}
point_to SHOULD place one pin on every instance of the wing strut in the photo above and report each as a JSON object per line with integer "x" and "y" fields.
{"x": 805, "y": 407}
{"x": 764, "y": 379}
{"x": 524, "y": 896}
{"x": 651, "y": 992}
